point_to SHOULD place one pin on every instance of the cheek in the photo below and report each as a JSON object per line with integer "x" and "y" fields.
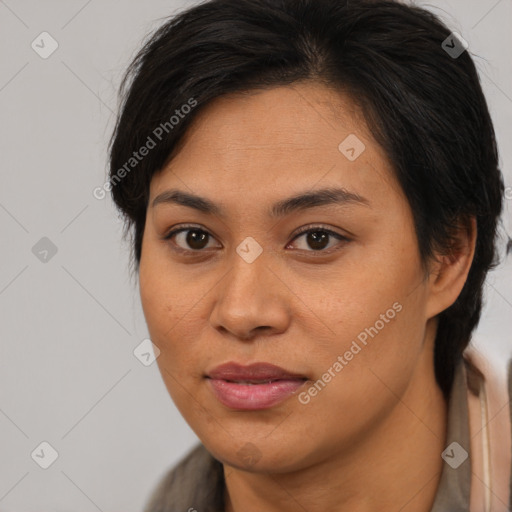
{"x": 172, "y": 307}
{"x": 169, "y": 319}
{"x": 358, "y": 382}
{"x": 356, "y": 297}
{"x": 158, "y": 302}
{"x": 375, "y": 312}
{"x": 160, "y": 289}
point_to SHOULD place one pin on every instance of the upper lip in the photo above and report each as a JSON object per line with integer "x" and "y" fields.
{"x": 256, "y": 371}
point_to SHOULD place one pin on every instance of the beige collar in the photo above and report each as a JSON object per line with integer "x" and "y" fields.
{"x": 490, "y": 431}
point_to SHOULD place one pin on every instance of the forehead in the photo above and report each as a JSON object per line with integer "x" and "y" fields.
{"x": 275, "y": 139}
{"x": 289, "y": 117}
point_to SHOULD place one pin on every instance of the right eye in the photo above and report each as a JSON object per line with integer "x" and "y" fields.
{"x": 189, "y": 239}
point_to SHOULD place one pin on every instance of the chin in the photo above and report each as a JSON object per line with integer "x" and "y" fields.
{"x": 258, "y": 456}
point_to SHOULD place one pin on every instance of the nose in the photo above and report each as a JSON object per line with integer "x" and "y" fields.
{"x": 251, "y": 299}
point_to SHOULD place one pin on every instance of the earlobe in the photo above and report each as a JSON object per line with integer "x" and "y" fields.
{"x": 450, "y": 271}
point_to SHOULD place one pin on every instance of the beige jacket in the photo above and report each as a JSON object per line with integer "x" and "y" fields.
{"x": 476, "y": 476}
{"x": 490, "y": 420}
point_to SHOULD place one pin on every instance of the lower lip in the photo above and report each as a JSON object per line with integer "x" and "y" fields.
{"x": 255, "y": 396}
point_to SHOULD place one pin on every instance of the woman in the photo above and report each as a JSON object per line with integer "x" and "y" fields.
{"x": 314, "y": 192}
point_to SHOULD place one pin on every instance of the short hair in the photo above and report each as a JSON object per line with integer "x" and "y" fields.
{"x": 423, "y": 105}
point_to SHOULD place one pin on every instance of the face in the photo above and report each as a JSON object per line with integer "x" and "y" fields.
{"x": 329, "y": 288}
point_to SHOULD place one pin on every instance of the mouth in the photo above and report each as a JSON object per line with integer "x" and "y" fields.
{"x": 256, "y": 373}
{"x": 255, "y": 382}
{"x": 253, "y": 387}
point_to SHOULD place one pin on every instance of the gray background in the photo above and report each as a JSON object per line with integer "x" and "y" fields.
{"x": 69, "y": 325}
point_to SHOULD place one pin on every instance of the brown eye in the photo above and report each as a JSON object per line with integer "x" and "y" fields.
{"x": 318, "y": 238}
{"x": 190, "y": 238}
{"x": 196, "y": 239}
{"x": 193, "y": 239}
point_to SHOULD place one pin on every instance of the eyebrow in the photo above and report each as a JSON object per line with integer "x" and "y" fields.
{"x": 299, "y": 202}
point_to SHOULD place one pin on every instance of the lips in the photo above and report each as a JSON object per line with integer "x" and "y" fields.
{"x": 256, "y": 373}
{"x": 254, "y": 387}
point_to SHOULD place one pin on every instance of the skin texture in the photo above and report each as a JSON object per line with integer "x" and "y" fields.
{"x": 372, "y": 438}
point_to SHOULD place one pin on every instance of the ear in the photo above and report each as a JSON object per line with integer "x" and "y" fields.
{"x": 449, "y": 272}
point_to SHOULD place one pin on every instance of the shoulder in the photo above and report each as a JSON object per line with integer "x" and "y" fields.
{"x": 489, "y": 385}
{"x": 491, "y": 379}
{"x": 195, "y": 482}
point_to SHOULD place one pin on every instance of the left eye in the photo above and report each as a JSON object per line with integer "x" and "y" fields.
{"x": 317, "y": 238}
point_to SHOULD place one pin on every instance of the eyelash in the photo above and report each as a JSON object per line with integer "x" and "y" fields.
{"x": 302, "y": 231}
